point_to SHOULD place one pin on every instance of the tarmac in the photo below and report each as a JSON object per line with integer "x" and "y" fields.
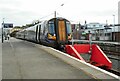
{"x": 24, "y": 60}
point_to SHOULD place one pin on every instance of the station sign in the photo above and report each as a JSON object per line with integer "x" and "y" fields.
{"x": 8, "y": 25}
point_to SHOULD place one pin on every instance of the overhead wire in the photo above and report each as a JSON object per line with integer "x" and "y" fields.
{"x": 46, "y": 16}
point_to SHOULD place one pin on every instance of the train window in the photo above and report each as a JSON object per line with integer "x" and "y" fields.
{"x": 42, "y": 29}
{"x": 51, "y": 27}
{"x": 68, "y": 27}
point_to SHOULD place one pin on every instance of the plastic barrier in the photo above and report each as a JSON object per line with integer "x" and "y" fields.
{"x": 73, "y": 52}
{"x": 98, "y": 58}
{"x": 82, "y": 48}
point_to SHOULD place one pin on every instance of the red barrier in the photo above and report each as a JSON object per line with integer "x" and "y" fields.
{"x": 72, "y": 51}
{"x": 99, "y": 57}
{"x": 82, "y": 48}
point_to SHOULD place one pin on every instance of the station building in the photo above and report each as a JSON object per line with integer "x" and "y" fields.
{"x": 99, "y": 31}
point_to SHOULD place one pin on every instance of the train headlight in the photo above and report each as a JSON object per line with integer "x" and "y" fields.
{"x": 49, "y": 36}
{"x": 52, "y": 37}
{"x": 69, "y": 36}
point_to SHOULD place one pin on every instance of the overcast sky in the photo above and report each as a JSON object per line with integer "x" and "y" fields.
{"x": 21, "y": 12}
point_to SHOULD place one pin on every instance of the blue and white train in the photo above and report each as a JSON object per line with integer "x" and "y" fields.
{"x": 54, "y": 32}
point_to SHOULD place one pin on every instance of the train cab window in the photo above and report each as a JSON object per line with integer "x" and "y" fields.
{"x": 51, "y": 28}
{"x": 68, "y": 27}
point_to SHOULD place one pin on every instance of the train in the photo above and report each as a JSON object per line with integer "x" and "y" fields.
{"x": 55, "y": 32}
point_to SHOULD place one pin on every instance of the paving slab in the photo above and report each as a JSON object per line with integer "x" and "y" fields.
{"x": 23, "y": 60}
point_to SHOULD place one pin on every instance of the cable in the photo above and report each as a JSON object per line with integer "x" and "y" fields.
{"x": 46, "y": 16}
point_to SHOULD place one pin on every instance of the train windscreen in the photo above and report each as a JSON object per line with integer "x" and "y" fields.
{"x": 51, "y": 30}
{"x": 68, "y": 27}
{"x": 69, "y": 30}
{"x": 51, "y": 27}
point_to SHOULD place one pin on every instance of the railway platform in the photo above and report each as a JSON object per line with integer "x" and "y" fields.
{"x": 25, "y": 60}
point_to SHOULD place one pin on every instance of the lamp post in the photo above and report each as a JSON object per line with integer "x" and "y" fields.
{"x": 114, "y": 26}
{"x": 55, "y": 13}
{"x": 90, "y": 41}
{"x": 2, "y": 30}
{"x": 105, "y": 30}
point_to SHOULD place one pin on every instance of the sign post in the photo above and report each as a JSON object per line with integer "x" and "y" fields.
{"x": 90, "y": 41}
{"x": 6, "y": 29}
{"x": 2, "y": 31}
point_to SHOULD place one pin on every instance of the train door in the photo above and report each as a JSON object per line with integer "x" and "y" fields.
{"x": 39, "y": 34}
{"x": 37, "y": 28}
{"x": 61, "y": 30}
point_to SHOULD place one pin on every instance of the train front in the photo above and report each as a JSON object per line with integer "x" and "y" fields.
{"x": 59, "y": 30}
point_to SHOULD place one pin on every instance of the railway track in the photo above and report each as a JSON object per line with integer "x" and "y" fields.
{"x": 112, "y": 52}
{"x": 110, "y": 55}
{"x": 114, "y": 72}
{"x": 114, "y": 58}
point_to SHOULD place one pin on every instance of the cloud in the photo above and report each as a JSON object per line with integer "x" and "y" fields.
{"x": 18, "y": 17}
{"x": 21, "y": 12}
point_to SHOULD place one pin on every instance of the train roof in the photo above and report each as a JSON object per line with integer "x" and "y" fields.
{"x": 59, "y": 18}
{"x": 43, "y": 21}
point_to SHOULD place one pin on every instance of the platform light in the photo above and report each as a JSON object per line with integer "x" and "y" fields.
{"x": 114, "y": 26}
{"x": 55, "y": 13}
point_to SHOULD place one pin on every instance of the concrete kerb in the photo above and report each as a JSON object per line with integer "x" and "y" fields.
{"x": 89, "y": 69}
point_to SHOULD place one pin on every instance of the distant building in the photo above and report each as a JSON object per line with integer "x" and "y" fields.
{"x": 99, "y": 31}
{"x": 94, "y": 26}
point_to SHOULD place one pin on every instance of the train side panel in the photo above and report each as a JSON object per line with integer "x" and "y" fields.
{"x": 30, "y": 33}
{"x": 53, "y": 32}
